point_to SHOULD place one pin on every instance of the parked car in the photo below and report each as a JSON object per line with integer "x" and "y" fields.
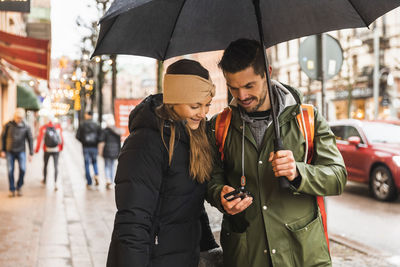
{"x": 371, "y": 152}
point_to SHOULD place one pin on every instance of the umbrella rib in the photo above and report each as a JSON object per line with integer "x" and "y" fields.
{"x": 173, "y": 29}
{"x": 354, "y": 7}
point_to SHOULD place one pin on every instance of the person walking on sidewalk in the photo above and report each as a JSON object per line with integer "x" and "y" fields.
{"x": 276, "y": 225}
{"x": 111, "y": 139}
{"x": 88, "y": 134}
{"x": 52, "y": 146}
{"x": 15, "y": 133}
{"x": 162, "y": 173}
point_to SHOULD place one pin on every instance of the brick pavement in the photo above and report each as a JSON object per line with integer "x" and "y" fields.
{"x": 72, "y": 226}
{"x": 68, "y": 227}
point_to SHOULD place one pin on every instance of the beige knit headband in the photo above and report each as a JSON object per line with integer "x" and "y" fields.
{"x": 186, "y": 89}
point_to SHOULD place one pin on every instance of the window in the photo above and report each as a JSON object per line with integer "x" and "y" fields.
{"x": 338, "y": 131}
{"x": 344, "y": 132}
{"x": 287, "y": 50}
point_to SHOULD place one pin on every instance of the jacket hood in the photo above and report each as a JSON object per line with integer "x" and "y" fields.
{"x": 20, "y": 125}
{"x": 143, "y": 115}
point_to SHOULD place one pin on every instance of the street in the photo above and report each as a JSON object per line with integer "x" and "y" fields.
{"x": 357, "y": 216}
{"x": 72, "y": 226}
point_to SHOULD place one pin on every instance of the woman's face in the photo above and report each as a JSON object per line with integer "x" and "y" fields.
{"x": 193, "y": 113}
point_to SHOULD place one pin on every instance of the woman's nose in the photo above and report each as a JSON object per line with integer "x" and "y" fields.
{"x": 202, "y": 112}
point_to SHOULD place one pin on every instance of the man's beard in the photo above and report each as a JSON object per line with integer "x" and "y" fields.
{"x": 261, "y": 100}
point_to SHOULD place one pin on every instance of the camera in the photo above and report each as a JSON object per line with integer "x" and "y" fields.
{"x": 238, "y": 192}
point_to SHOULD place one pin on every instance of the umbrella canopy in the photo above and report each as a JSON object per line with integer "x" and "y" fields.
{"x": 162, "y": 29}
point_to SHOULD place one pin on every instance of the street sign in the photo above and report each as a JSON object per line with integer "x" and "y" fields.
{"x": 17, "y": 6}
{"x": 123, "y": 108}
{"x": 309, "y": 60}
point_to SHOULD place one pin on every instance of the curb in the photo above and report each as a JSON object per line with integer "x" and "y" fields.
{"x": 362, "y": 248}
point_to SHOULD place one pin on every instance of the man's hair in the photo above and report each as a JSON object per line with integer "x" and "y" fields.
{"x": 89, "y": 113}
{"x": 20, "y": 112}
{"x": 240, "y": 55}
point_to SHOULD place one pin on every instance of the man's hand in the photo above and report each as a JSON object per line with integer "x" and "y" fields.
{"x": 235, "y": 206}
{"x": 283, "y": 164}
{"x": 3, "y": 154}
{"x": 29, "y": 158}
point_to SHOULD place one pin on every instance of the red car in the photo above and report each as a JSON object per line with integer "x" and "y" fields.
{"x": 371, "y": 152}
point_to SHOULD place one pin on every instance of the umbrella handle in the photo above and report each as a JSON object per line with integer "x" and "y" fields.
{"x": 278, "y": 145}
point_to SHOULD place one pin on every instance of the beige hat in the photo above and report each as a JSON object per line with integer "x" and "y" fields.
{"x": 186, "y": 89}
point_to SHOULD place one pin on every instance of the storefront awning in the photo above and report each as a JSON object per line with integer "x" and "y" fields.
{"x": 28, "y": 54}
{"x": 26, "y": 98}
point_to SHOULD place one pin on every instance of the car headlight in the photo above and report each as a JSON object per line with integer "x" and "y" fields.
{"x": 396, "y": 160}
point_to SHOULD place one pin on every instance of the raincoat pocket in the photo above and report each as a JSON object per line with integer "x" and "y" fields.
{"x": 308, "y": 244}
{"x": 234, "y": 247}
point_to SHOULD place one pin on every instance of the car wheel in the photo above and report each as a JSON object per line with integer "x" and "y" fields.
{"x": 382, "y": 185}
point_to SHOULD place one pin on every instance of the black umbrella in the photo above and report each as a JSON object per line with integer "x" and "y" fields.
{"x": 162, "y": 29}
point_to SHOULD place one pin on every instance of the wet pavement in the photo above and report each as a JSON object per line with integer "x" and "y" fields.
{"x": 72, "y": 226}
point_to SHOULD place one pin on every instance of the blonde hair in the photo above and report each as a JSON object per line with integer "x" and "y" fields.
{"x": 200, "y": 165}
{"x": 20, "y": 112}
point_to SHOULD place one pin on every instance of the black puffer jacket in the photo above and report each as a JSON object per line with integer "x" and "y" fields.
{"x": 160, "y": 208}
{"x": 88, "y": 133}
{"x": 112, "y": 143}
{"x": 14, "y": 135}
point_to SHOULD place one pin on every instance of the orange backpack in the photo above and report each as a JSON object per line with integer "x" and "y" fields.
{"x": 223, "y": 121}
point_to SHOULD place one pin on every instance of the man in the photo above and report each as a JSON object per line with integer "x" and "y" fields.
{"x": 52, "y": 146}
{"x": 13, "y": 137}
{"x": 275, "y": 226}
{"x": 88, "y": 134}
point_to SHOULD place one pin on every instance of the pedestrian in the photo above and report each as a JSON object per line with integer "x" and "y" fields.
{"x": 53, "y": 144}
{"x": 275, "y": 225}
{"x": 15, "y": 133}
{"x": 111, "y": 137}
{"x": 88, "y": 134}
{"x": 162, "y": 174}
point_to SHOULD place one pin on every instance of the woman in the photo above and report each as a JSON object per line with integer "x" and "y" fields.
{"x": 161, "y": 176}
{"x": 111, "y": 139}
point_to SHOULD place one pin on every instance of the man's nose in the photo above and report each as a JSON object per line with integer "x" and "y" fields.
{"x": 242, "y": 94}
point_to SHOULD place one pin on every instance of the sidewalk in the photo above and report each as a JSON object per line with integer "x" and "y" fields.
{"x": 72, "y": 226}
{"x": 68, "y": 227}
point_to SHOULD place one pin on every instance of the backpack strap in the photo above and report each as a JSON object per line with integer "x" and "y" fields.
{"x": 221, "y": 128}
{"x": 307, "y": 129}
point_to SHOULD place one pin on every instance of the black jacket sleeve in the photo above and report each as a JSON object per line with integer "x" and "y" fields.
{"x": 29, "y": 139}
{"x": 138, "y": 181}
{"x": 79, "y": 133}
{"x": 207, "y": 240}
{"x": 4, "y": 137}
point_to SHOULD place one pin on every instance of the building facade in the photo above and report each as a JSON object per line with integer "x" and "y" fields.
{"x": 349, "y": 94}
{"x": 12, "y": 22}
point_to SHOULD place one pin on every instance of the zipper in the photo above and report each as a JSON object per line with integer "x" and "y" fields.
{"x": 156, "y": 239}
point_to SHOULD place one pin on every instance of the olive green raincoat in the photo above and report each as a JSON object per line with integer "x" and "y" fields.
{"x": 282, "y": 226}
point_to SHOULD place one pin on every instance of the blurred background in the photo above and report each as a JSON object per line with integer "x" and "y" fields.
{"x": 352, "y": 76}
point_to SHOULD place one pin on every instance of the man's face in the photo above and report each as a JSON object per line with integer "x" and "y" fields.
{"x": 87, "y": 116}
{"x": 249, "y": 89}
{"x": 18, "y": 118}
